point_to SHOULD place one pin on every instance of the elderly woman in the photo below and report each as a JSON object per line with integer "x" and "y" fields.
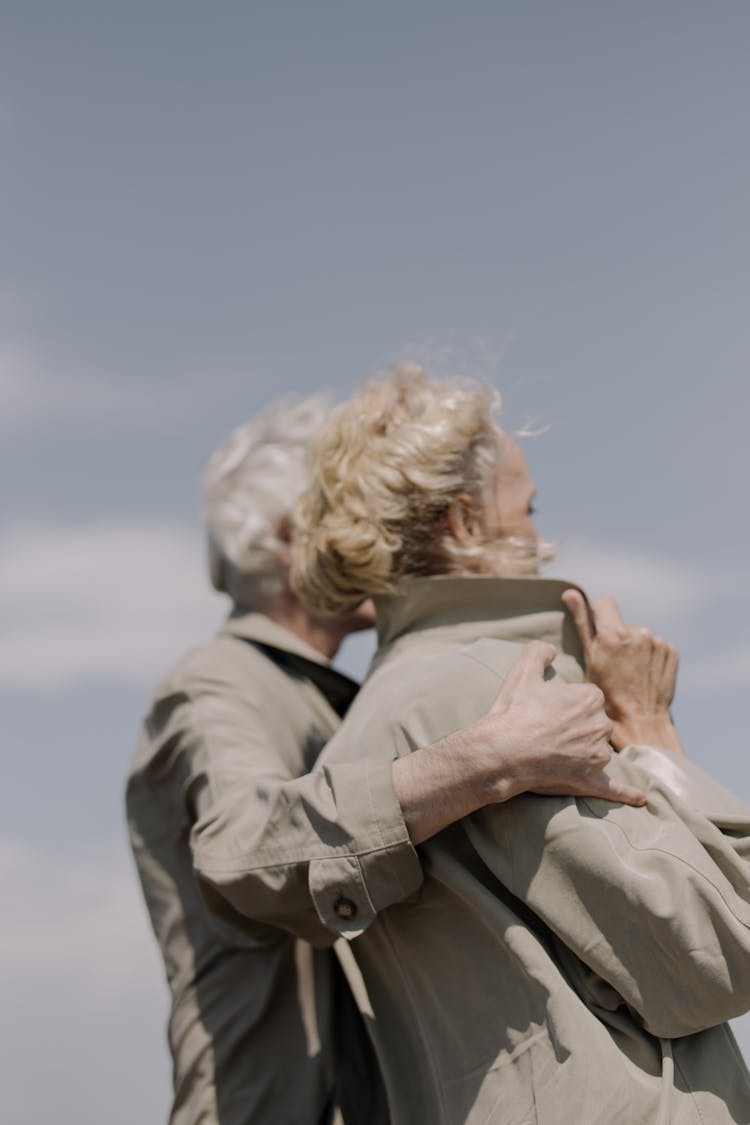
{"x": 566, "y": 960}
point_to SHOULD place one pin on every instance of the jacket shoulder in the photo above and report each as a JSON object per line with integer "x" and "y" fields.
{"x": 422, "y": 693}
{"x": 495, "y": 655}
{"x": 226, "y": 672}
{"x": 224, "y": 658}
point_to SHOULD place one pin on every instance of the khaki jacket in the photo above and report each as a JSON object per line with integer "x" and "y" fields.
{"x": 566, "y": 961}
{"x": 256, "y": 1017}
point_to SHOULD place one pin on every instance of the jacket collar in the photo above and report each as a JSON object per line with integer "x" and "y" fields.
{"x": 512, "y": 609}
{"x": 251, "y": 626}
{"x": 293, "y": 655}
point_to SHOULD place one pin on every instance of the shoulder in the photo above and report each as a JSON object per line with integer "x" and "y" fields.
{"x": 214, "y": 686}
{"x": 225, "y": 659}
{"x": 495, "y": 656}
{"x": 419, "y": 693}
{"x": 437, "y": 667}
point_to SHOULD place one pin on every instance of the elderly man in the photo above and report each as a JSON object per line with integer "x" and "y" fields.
{"x": 261, "y": 1029}
{"x": 565, "y": 960}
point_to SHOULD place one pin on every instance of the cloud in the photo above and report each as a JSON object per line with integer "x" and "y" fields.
{"x": 101, "y": 602}
{"x": 114, "y": 601}
{"x": 36, "y": 393}
{"x": 95, "y": 906}
{"x": 32, "y": 393}
{"x": 721, "y": 671}
{"x": 670, "y": 597}
{"x": 80, "y": 973}
{"x": 651, "y": 589}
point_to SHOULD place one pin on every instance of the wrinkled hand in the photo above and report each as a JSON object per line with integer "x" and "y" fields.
{"x": 635, "y": 670}
{"x": 559, "y": 732}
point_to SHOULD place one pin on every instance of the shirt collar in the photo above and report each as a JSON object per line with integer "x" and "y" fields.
{"x": 292, "y": 654}
{"x": 513, "y": 609}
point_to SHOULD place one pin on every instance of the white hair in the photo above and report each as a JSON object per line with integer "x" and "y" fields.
{"x": 250, "y": 485}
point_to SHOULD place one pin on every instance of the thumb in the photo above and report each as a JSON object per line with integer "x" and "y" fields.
{"x": 578, "y": 608}
{"x": 602, "y": 785}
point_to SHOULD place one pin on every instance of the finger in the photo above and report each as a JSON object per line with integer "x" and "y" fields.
{"x": 672, "y": 664}
{"x": 535, "y": 658}
{"x": 607, "y": 614}
{"x": 673, "y": 659}
{"x": 578, "y": 608}
{"x": 532, "y": 663}
{"x": 599, "y": 755}
{"x": 602, "y": 785}
{"x": 594, "y": 786}
{"x": 594, "y": 696}
{"x": 660, "y": 663}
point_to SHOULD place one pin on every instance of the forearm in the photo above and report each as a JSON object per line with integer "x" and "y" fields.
{"x": 537, "y": 737}
{"x": 319, "y": 855}
{"x": 450, "y": 779}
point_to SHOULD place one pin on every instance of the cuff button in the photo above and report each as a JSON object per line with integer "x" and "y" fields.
{"x": 344, "y": 908}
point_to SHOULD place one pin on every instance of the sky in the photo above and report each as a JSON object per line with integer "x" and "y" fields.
{"x": 205, "y": 206}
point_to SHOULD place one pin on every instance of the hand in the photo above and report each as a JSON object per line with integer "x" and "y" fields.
{"x": 541, "y": 735}
{"x": 555, "y": 734}
{"x": 636, "y": 671}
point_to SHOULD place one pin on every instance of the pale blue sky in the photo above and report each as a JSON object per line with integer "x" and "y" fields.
{"x": 203, "y": 206}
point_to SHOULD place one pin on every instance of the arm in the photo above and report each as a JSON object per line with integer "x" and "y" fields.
{"x": 322, "y": 854}
{"x": 538, "y": 735}
{"x": 259, "y": 834}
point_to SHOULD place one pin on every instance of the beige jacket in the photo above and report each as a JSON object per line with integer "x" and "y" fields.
{"x": 566, "y": 961}
{"x": 220, "y": 773}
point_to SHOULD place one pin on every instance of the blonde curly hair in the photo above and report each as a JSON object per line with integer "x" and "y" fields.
{"x": 387, "y": 468}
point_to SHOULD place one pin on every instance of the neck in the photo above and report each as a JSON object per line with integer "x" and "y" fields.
{"x": 323, "y": 634}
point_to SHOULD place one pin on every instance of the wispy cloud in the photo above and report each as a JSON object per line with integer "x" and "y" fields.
{"x": 652, "y": 590}
{"x": 723, "y": 671}
{"x": 81, "y": 976}
{"x": 113, "y": 602}
{"x": 117, "y": 601}
{"x": 35, "y": 391}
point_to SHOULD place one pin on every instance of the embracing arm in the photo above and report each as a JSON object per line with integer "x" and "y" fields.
{"x": 539, "y": 735}
{"x": 322, "y": 854}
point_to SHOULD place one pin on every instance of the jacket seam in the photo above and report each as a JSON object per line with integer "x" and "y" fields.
{"x": 207, "y": 864}
{"x": 672, "y": 855}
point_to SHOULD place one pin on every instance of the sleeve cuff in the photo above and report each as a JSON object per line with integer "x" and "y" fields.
{"x": 349, "y": 890}
{"x": 689, "y": 782}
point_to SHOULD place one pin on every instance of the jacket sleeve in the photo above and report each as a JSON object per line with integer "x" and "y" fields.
{"x": 654, "y": 903}
{"x": 317, "y": 854}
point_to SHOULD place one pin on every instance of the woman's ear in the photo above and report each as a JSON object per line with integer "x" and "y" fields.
{"x": 463, "y": 520}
